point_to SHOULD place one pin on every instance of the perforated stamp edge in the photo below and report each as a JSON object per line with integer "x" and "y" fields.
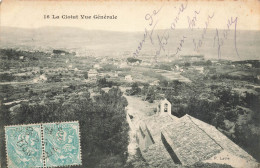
{"x": 40, "y": 124}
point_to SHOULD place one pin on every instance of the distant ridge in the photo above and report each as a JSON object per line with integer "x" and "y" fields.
{"x": 112, "y": 43}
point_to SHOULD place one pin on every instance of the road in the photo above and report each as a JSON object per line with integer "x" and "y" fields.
{"x": 140, "y": 110}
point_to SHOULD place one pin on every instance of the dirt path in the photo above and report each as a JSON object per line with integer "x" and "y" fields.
{"x": 140, "y": 110}
{"x": 16, "y": 83}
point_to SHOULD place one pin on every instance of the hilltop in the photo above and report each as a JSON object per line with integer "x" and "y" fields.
{"x": 104, "y": 43}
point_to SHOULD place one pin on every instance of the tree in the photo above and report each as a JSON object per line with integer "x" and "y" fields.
{"x": 104, "y": 83}
{"x": 103, "y": 125}
{"x": 187, "y": 64}
{"x": 6, "y": 77}
{"x": 135, "y": 90}
{"x": 208, "y": 63}
{"x": 132, "y": 60}
{"x": 60, "y": 52}
{"x": 164, "y": 83}
{"x": 151, "y": 95}
{"x": 231, "y": 115}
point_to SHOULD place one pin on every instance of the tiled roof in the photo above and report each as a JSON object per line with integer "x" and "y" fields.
{"x": 221, "y": 139}
{"x": 156, "y": 123}
{"x": 189, "y": 142}
{"x": 157, "y": 156}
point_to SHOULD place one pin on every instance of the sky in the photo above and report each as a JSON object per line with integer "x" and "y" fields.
{"x": 131, "y": 15}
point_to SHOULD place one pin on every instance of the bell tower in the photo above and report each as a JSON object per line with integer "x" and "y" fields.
{"x": 164, "y": 107}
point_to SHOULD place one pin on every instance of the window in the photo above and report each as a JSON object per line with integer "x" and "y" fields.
{"x": 165, "y": 107}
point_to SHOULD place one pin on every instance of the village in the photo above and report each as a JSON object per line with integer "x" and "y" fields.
{"x": 159, "y": 94}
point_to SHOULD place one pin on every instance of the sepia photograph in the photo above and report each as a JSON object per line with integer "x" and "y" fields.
{"x": 130, "y": 84}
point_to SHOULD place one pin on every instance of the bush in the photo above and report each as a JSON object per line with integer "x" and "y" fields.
{"x": 103, "y": 125}
{"x": 187, "y": 64}
{"x": 60, "y": 52}
{"x": 231, "y": 115}
{"x": 133, "y": 60}
{"x": 104, "y": 83}
{"x": 108, "y": 67}
{"x": 135, "y": 90}
{"x": 6, "y": 77}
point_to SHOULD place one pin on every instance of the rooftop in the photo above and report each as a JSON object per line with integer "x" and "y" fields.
{"x": 191, "y": 140}
{"x": 155, "y": 126}
{"x": 190, "y": 143}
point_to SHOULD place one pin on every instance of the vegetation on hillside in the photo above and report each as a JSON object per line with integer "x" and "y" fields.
{"x": 224, "y": 94}
{"x": 218, "y": 101}
{"x": 101, "y": 115}
{"x": 103, "y": 127}
{"x": 133, "y": 60}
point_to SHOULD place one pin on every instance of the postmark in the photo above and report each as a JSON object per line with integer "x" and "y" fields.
{"x": 61, "y": 141}
{"x": 43, "y": 145}
{"x": 23, "y": 145}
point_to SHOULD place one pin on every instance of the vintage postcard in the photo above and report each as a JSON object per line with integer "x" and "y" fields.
{"x": 130, "y": 84}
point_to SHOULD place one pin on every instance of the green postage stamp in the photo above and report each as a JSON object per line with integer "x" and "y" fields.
{"x": 43, "y": 145}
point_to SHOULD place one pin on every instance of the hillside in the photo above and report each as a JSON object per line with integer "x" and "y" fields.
{"x": 108, "y": 43}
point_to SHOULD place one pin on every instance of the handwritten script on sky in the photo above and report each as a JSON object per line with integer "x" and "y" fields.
{"x": 160, "y": 39}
